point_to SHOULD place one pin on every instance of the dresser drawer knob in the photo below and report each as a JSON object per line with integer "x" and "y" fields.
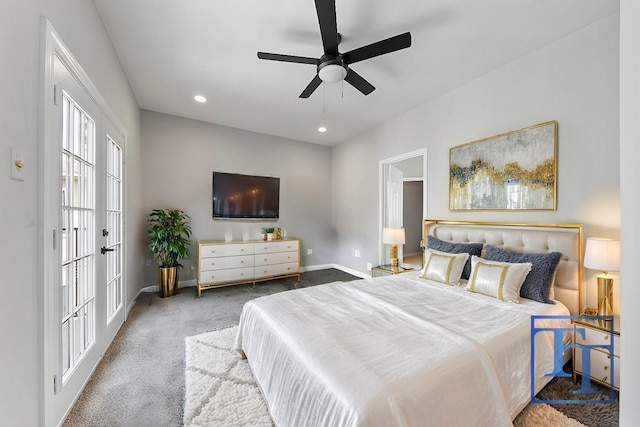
{"x": 242, "y": 274}
{"x": 242, "y": 262}
{"x": 606, "y": 337}
{"x": 604, "y": 379}
{"x": 213, "y": 277}
{"x": 606, "y": 367}
{"x": 265, "y": 259}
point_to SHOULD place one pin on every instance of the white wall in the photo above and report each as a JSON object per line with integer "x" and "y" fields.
{"x": 573, "y": 80}
{"x": 630, "y": 197}
{"x": 179, "y": 156}
{"x": 79, "y": 25}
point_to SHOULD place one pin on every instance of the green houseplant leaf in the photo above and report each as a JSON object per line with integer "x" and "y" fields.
{"x": 168, "y": 236}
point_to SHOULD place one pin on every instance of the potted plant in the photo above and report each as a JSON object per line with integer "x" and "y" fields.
{"x": 168, "y": 236}
{"x": 269, "y": 232}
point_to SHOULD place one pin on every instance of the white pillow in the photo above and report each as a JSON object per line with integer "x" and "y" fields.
{"x": 443, "y": 266}
{"x": 501, "y": 280}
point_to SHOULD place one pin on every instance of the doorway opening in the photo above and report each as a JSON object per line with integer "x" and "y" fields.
{"x": 403, "y": 203}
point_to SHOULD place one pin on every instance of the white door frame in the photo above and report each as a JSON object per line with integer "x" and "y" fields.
{"x": 48, "y": 195}
{"x": 381, "y": 192}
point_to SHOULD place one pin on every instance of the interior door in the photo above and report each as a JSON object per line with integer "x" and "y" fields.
{"x": 393, "y": 199}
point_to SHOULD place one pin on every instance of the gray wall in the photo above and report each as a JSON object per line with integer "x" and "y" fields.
{"x": 573, "y": 80}
{"x": 630, "y": 197}
{"x": 179, "y": 156}
{"x": 80, "y": 27}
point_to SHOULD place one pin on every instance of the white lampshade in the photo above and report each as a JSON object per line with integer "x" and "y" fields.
{"x": 332, "y": 73}
{"x": 602, "y": 254}
{"x": 393, "y": 236}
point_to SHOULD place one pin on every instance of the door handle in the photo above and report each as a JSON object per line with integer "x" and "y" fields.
{"x": 104, "y": 250}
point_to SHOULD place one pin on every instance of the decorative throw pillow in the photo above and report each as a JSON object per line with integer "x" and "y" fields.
{"x": 537, "y": 286}
{"x": 456, "y": 248}
{"x": 443, "y": 267}
{"x": 501, "y": 280}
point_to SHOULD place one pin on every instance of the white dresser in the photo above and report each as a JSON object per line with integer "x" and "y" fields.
{"x": 232, "y": 263}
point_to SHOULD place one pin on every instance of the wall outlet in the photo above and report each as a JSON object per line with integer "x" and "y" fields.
{"x": 192, "y": 268}
{"x": 309, "y": 251}
{"x": 357, "y": 253}
{"x": 369, "y": 266}
{"x": 148, "y": 263}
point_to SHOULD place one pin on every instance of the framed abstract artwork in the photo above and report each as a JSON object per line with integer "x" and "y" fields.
{"x": 513, "y": 171}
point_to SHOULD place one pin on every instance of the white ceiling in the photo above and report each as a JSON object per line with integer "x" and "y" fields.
{"x": 172, "y": 50}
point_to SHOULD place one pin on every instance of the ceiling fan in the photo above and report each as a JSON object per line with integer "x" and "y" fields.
{"x": 334, "y": 66}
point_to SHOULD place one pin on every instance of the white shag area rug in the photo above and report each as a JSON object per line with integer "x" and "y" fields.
{"x": 221, "y": 391}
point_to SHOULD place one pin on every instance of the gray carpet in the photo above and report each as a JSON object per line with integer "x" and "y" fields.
{"x": 140, "y": 381}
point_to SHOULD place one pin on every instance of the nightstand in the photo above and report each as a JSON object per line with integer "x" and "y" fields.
{"x": 598, "y": 332}
{"x": 388, "y": 270}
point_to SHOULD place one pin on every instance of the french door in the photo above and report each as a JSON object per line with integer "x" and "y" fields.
{"x": 84, "y": 285}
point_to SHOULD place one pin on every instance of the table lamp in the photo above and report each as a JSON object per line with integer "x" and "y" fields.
{"x": 393, "y": 237}
{"x": 604, "y": 255}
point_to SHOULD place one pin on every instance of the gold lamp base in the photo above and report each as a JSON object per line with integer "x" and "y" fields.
{"x": 393, "y": 254}
{"x": 605, "y": 295}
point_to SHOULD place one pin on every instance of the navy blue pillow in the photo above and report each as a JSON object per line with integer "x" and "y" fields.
{"x": 456, "y": 248}
{"x": 537, "y": 285}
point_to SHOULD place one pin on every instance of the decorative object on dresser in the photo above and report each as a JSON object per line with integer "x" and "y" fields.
{"x": 604, "y": 363}
{"x": 233, "y": 263}
{"x": 168, "y": 236}
{"x": 268, "y": 233}
{"x": 513, "y": 171}
{"x": 604, "y": 255}
{"x": 393, "y": 237}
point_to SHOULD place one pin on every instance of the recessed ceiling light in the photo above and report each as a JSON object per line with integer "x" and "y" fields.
{"x": 322, "y": 129}
{"x": 200, "y": 98}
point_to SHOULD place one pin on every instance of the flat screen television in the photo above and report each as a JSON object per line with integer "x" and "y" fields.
{"x": 237, "y": 196}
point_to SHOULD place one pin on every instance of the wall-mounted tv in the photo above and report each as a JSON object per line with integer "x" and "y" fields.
{"x": 237, "y": 196}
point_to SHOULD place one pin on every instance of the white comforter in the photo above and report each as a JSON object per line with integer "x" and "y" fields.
{"x": 392, "y": 351}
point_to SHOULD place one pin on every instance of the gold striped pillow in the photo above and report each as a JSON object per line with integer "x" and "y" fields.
{"x": 443, "y": 267}
{"x": 501, "y": 280}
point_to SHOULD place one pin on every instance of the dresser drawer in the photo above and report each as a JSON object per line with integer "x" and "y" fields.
{"x": 275, "y": 258}
{"x": 276, "y": 270}
{"x": 224, "y": 276}
{"x": 597, "y": 337}
{"x": 271, "y": 247}
{"x": 209, "y": 251}
{"x": 221, "y": 263}
{"x": 600, "y": 367}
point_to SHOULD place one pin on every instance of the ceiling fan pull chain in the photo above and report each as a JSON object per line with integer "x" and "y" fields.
{"x": 324, "y": 98}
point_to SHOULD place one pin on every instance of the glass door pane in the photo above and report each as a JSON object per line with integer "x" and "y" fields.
{"x": 77, "y": 284}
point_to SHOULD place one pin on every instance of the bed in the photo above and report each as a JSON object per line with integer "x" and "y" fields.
{"x": 408, "y": 351}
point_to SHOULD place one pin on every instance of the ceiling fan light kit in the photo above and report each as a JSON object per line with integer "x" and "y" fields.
{"x": 332, "y": 70}
{"x": 333, "y": 66}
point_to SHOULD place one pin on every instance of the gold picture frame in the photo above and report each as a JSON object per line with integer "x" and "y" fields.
{"x": 512, "y": 171}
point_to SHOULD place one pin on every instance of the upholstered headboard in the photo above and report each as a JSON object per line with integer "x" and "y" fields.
{"x": 525, "y": 238}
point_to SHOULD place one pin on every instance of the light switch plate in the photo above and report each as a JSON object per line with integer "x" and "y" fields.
{"x": 17, "y": 158}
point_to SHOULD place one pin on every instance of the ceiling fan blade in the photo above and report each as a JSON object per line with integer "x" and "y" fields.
{"x": 311, "y": 87}
{"x": 326, "y": 10}
{"x": 357, "y": 81}
{"x": 287, "y": 58}
{"x": 372, "y": 50}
